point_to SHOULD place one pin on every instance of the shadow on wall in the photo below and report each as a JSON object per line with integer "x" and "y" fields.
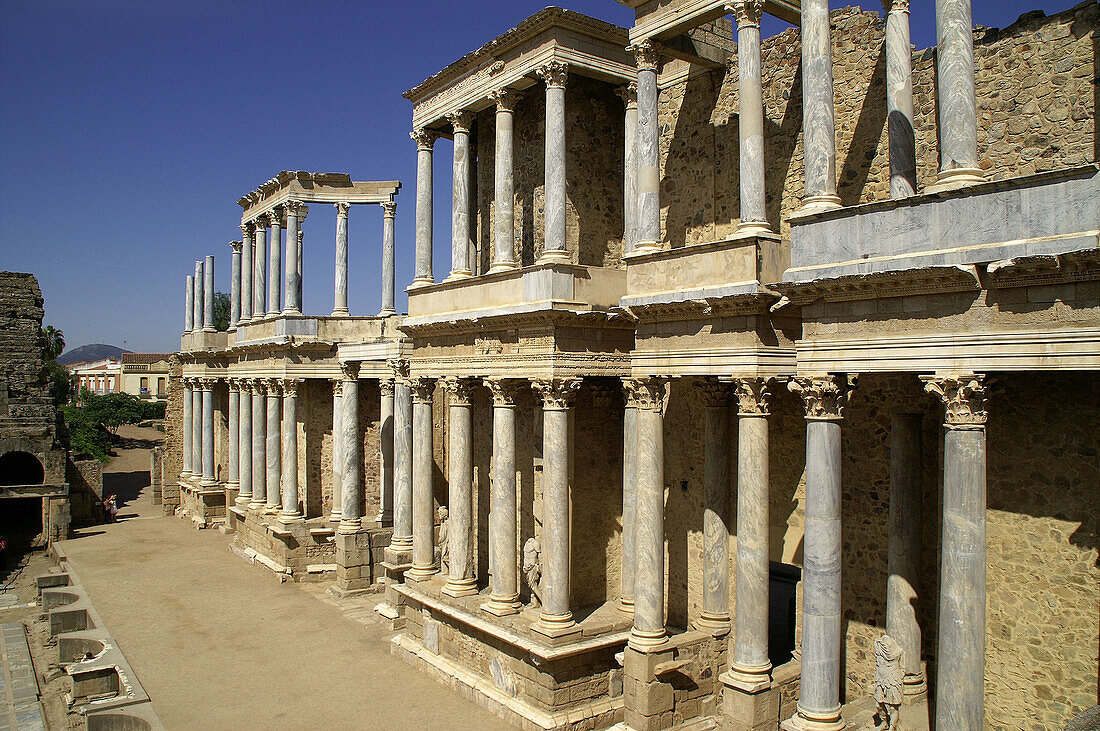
{"x": 126, "y": 486}
{"x": 866, "y": 137}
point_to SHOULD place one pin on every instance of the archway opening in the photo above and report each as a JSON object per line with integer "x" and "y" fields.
{"x": 21, "y": 468}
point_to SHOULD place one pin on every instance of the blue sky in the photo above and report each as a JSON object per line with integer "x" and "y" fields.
{"x": 130, "y": 128}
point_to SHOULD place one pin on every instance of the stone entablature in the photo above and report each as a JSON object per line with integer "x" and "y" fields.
{"x": 664, "y": 20}
{"x": 314, "y": 188}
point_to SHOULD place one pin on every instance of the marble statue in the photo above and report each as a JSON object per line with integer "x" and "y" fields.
{"x": 444, "y": 548}
{"x": 532, "y": 569}
{"x": 888, "y": 683}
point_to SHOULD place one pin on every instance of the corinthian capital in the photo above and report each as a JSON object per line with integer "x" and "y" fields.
{"x": 629, "y": 94}
{"x": 900, "y": 6}
{"x": 293, "y": 208}
{"x": 342, "y": 208}
{"x": 422, "y": 389}
{"x": 963, "y": 398}
{"x": 350, "y": 369}
{"x": 648, "y": 394}
{"x": 385, "y": 386}
{"x": 290, "y": 387}
{"x": 825, "y": 397}
{"x": 274, "y": 387}
{"x": 236, "y": 246}
{"x": 259, "y": 386}
{"x": 246, "y": 230}
{"x": 504, "y": 390}
{"x": 753, "y": 395}
{"x": 505, "y": 99}
{"x": 557, "y": 393}
{"x": 337, "y": 387}
{"x": 461, "y": 122}
{"x": 424, "y": 138}
{"x": 646, "y": 55}
{"x": 399, "y": 366}
{"x": 715, "y": 393}
{"x": 554, "y": 73}
{"x": 389, "y": 209}
{"x": 746, "y": 12}
{"x": 459, "y": 390}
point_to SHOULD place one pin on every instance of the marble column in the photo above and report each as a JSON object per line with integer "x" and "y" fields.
{"x": 554, "y": 248}
{"x": 340, "y": 303}
{"x": 301, "y": 218}
{"x": 200, "y": 297}
{"x": 196, "y": 430}
{"x": 555, "y": 617}
{"x": 208, "y": 479}
{"x": 247, "y": 259}
{"x": 750, "y": 117}
{"x": 750, "y": 666}
{"x": 648, "y": 151}
{"x": 235, "y": 285}
{"x": 389, "y": 259}
{"x": 629, "y": 95}
{"x": 234, "y": 481}
{"x": 351, "y": 449}
{"x": 385, "y": 462}
{"x": 208, "y": 296}
{"x": 188, "y": 428}
{"x": 955, "y": 98}
{"x": 818, "y": 132}
{"x": 960, "y": 657}
{"x": 899, "y": 100}
{"x": 503, "y": 535}
{"x": 460, "y": 197}
{"x": 259, "y": 444}
{"x": 189, "y": 315}
{"x": 290, "y": 512}
{"x": 244, "y": 444}
{"x": 714, "y": 616}
{"x": 402, "y": 457}
{"x": 274, "y": 450}
{"x": 292, "y": 306}
{"x": 825, "y": 398}
{"x": 648, "y": 633}
{"x": 461, "y": 580}
{"x": 630, "y": 495}
{"x": 504, "y": 214}
{"x": 425, "y": 141}
{"x": 259, "y": 269}
{"x": 336, "y": 510}
{"x": 903, "y": 580}
{"x": 274, "y": 282}
{"x": 423, "y": 505}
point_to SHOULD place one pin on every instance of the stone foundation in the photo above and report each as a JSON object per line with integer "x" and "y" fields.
{"x": 205, "y": 507}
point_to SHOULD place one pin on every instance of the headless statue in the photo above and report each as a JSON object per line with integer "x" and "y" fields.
{"x": 888, "y": 683}
{"x": 532, "y": 569}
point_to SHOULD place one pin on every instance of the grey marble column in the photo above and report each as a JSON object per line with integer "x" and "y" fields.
{"x": 425, "y": 141}
{"x": 200, "y": 297}
{"x": 825, "y": 398}
{"x": 555, "y": 617}
{"x": 351, "y": 449}
{"x": 234, "y": 481}
{"x": 196, "y": 431}
{"x": 554, "y": 248}
{"x": 750, "y": 117}
{"x": 402, "y": 457}
{"x": 247, "y": 259}
{"x": 274, "y": 445}
{"x": 189, "y": 314}
{"x": 259, "y": 269}
{"x": 630, "y": 459}
{"x": 208, "y": 295}
{"x": 955, "y": 98}
{"x": 423, "y": 506}
{"x": 336, "y": 510}
{"x": 188, "y": 427}
{"x": 648, "y": 151}
{"x": 274, "y": 279}
{"x": 292, "y": 306}
{"x": 750, "y": 666}
{"x": 301, "y": 219}
{"x": 385, "y": 462}
{"x": 235, "y": 285}
{"x": 899, "y": 100}
{"x": 903, "y": 581}
{"x": 629, "y": 95}
{"x": 714, "y": 616}
{"x": 648, "y": 633}
{"x": 503, "y": 535}
{"x": 461, "y": 580}
{"x": 389, "y": 259}
{"x": 244, "y": 444}
{"x": 504, "y": 214}
{"x": 208, "y": 432}
{"x": 340, "y": 302}
{"x": 259, "y": 444}
{"x": 290, "y": 511}
{"x": 460, "y": 197}
{"x": 960, "y": 666}
{"x": 818, "y": 131}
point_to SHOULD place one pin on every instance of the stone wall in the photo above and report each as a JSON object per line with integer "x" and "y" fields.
{"x": 173, "y": 436}
{"x": 85, "y": 478}
{"x": 1036, "y": 111}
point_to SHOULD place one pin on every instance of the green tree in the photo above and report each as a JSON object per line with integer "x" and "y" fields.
{"x": 53, "y": 342}
{"x": 60, "y": 383}
{"x": 112, "y": 410}
{"x": 221, "y": 311}
{"x": 86, "y": 436}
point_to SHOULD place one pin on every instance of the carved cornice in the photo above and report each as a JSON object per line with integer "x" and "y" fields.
{"x": 505, "y": 390}
{"x": 553, "y": 73}
{"x": 236, "y": 246}
{"x": 715, "y": 393}
{"x": 705, "y": 308}
{"x": 386, "y": 387}
{"x": 629, "y": 94}
{"x": 753, "y": 395}
{"x": 929, "y": 280}
{"x": 422, "y": 389}
{"x": 290, "y": 387}
{"x": 647, "y": 394}
{"x": 458, "y": 390}
{"x": 825, "y": 397}
{"x": 424, "y": 138}
{"x": 342, "y": 208}
{"x": 475, "y": 323}
{"x": 746, "y": 12}
{"x": 389, "y": 209}
{"x": 505, "y": 99}
{"x": 461, "y": 122}
{"x": 350, "y": 369}
{"x": 963, "y": 398}
{"x": 557, "y": 393}
{"x": 647, "y": 55}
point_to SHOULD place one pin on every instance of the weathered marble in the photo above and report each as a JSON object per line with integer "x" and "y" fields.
{"x": 504, "y": 255}
{"x": 189, "y": 307}
{"x": 714, "y": 617}
{"x": 259, "y": 270}
{"x": 233, "y": 482}
{"x": 351, "y": 446}
{"x": 247, "y": 260}
{"x": 199, "y": 298}
{"x": 461, "y": 580}
{"x": 425, "y": 141}
{"x": 955, "y": 98}
{"x": 274, "y": 452}
{"x": 629, "y": 95}
{"x": 340, "y": 301}
{"x": 630, "y": 457}
{"x": 460, "y": 197}
{"x": 196, "y": 430}
{"x": 385, "y": 462}
{"x": 648, "y": 151}
{"x": 899, "y": 101}
{"x": 293, "y": 269}
{"x": 235, "y": 285}
{"x": 503, "y": 536}
{"x": 402, "y": 458}
{"x": 244, "y": 447}
{"x": 818, "y": 131}
{"x": 300, "y": 252}
{"x": 750, "y": 118}
{"x": 275, "y": 266}
{"x": 905, "y": 547}
{"x": 554, "y": 75}
{"x": 259, "y": 445}
{"x": 208, "y": 295}
{"x": 336, "y": 509}
{"x": 389, "y": 259}
{"x": 290, "y": 511}
{"x": 423, "y": 504}
{"x": 188, "y": 428}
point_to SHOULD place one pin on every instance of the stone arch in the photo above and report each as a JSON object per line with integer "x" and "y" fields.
{"x": 21, "y": 468}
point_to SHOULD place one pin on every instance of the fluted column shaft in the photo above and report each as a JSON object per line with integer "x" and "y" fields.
{"x": 425, "y": 141}
{"x": 899, "y": 100}
{"x": 715, "y": 614}
{"x": 402, "y": 459}
{"x": 259, "y": 270}
{"x": 244, "y": 444}
{"x": 234, "y": 480}
{"x": 648, "y": 151}
{"x": 630, "y": 458}
{"x": 259, "y": 445}
{"x": 290, "y": 510}
{"x": 385, "y": 463}
{"x": 389, "y": 259}
{"x": 340, "y": 302}
{"x": 629, "y": 94}
{"x": 503, "y": 536}
{"x": 336, "y": 510}
{"x": 235, "y": 286}
{"x": 460, "y": 197}
{"x": 750, "y": 117}
{"x": 199, "y": 299}
{"x": 423, "y": 513}
{"x": 903, "y": 579}
{"x": 188, "y": 429}
{"x": 818, "y": 131}
{"x": 274, "y": 445}
{"x": 189, "y": 313}
{"x": 196, "y": 430}
{"x": 504, "y": 229}
{"x": 208, "y": 295}
{"x": 460, "y": 485}
{"x": 275, "y": 275}
{"x": 351, "y": 448}
{"x": 955, "y": 97}
{"x": 247, "y": 260}
{"x": 293, "y": 287}
{"x": 554, "y": 245}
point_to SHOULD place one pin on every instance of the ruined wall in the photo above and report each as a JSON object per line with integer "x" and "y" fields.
{"x": 1036, "y": 111}
{"x": 173, "y": 435}
{"x": 85, "y": 478}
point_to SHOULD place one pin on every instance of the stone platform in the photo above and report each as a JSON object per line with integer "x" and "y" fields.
{"x": 20, "y": 707}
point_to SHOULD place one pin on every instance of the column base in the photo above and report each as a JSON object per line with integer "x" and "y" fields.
{"x": 754, "y": 227}
{"x": 556, "y": 626}
{"x": 626, "y": 606}
{"x": 456, "y": 588}
{"x": 956, "y": 178}
{"x": 819, "y": 203}
{"x": 291, "y": 311}
{"x": 747, "y": 680}
{"x": 209, "y": 329}
{"x": 233, "y": 485}
{"x": 185, "y": 475}
{"x": 291, "y": 517}
{"x": 253, "y": 505}
{"x": 715, "y": 625}
{"x": 502, "y": 607}
{"x": 646, "y": 247}
{"x": 421, "y": 281}
{"x": 914, "y": 688}
{"x": 421, "y": 573}
{"x": 648, "y": 640}
{"x": 459, "y": 274}
{"x": 271, "y": 314}
{"x": 504, "y": 266}
{"x": 807, "y": 721}
{"x": 349, "y": 525}
{"x": 272, "y": 509}
{"x": 208, "y": 482}
{"x": 243, "y": 500}
{"x": 386, "y": 312}
{"x": 340, "y": 312}
{"x": 335, "y": 516}
{"x": 554, "y": 256}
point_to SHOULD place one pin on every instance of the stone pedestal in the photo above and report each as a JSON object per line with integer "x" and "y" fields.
{"x": 353, "y": 562}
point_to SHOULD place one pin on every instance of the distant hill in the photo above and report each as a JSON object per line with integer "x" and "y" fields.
{"x": 95, "y": 351}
